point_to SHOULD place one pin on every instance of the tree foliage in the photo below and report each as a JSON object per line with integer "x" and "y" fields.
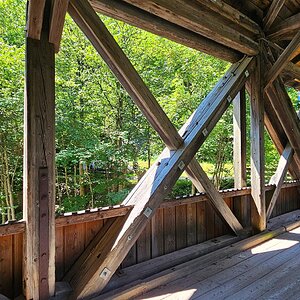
{"x": 103, "y": 142}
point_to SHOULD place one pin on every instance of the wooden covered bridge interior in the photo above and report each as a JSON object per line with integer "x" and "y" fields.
{"x": 123, "y": 252}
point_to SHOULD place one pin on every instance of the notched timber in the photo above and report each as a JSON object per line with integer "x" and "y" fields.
{"x": 158, "y": 181}
{"x": 59, "y": 11}
{"x": 35, "y": 18}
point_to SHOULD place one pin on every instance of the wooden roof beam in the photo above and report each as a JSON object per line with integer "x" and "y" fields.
{"x": 186, "y": 14}
{"x": 35, "y": 18}
{"x": 283, "y": 28}
{"x": 144, "y": 20}
{"x": 232, "y": 14}
{"x": 272, "y": 13}
{"x": 287, "y": 55}
{"x": 57, "y": 21}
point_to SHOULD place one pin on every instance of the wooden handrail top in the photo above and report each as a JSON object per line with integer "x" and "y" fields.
{"x": 95, "y": 214}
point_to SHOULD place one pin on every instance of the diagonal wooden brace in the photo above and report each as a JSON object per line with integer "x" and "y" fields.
{"x": 278, "y": 178}
{"x": 107, "y": 47}
{"x": 157, "y": 182}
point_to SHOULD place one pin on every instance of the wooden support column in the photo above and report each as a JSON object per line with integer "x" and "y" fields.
{"x": 39, "y": 153}
{"x": 241, "y": 206}
{"x": 239, "y": 139}
{"x": 258, "y": 207}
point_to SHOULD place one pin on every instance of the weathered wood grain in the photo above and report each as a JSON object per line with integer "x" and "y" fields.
{"x": 58, "y": 15}
{"x": 186, "y": 14}
{"x": 35, "y": 18}
{"x": 258, "y": 212}
{"x": 272, "y": 13}
{"x": 39, "y": 123}
{"x": 149, "y": 22}
{"x": 286, "y": 56}
{"x": 284, "y": 27}
{"x": 279, "y": 176}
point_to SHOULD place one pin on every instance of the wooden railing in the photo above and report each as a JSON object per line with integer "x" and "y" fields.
{"x": 178, "y": 223}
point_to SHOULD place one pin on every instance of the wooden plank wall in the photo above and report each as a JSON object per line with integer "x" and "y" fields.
{"x": 176, "y": 225}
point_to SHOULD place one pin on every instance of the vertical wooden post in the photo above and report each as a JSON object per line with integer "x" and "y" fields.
{"x": 241, "y": 206}
{"x": 239, "y": 139}
{"x": 39, "y": 154}
{"x": 258, "y": 207}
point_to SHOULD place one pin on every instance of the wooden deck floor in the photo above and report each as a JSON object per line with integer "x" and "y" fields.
{"x": 268, "y": 271}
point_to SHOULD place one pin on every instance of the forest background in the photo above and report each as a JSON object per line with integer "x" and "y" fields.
{"x": 103, "y": 142}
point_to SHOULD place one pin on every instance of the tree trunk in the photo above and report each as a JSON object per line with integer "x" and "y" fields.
{"x": 81, "y": 177}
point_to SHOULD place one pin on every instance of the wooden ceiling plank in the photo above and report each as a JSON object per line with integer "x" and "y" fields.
{"x": 185, "y": 14}
{"x": 35, "y": 18}
{"x": 232, "y": 14}
{"x": 59, "y": 11}
{"x": 284, "y": 27}
{"x": 141, "y": 19}
{"x": 287, "y": 55}
{"x": 272, "y": 13}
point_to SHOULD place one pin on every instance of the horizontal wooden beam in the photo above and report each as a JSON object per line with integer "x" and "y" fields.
{"x": 144, "y": 20}
{"x": 232, "y": 14}
{"x": 188, "y": 15}
{"x": 292, "y": 70}
{"x": 92, "y": 215}
{"x": 12, "y": 228}
{"x": 272, "y": 13}
{"x": 284, "y": 27}
{"x": 57, "y": 21}
{"x": 19, "y": 227}
{"x": 35, "y": 18}
{"x": 225, "y": 194}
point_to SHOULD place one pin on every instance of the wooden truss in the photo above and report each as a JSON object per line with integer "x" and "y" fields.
{"x": 270, "y": 107}
{"x": 178, "y": 156}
